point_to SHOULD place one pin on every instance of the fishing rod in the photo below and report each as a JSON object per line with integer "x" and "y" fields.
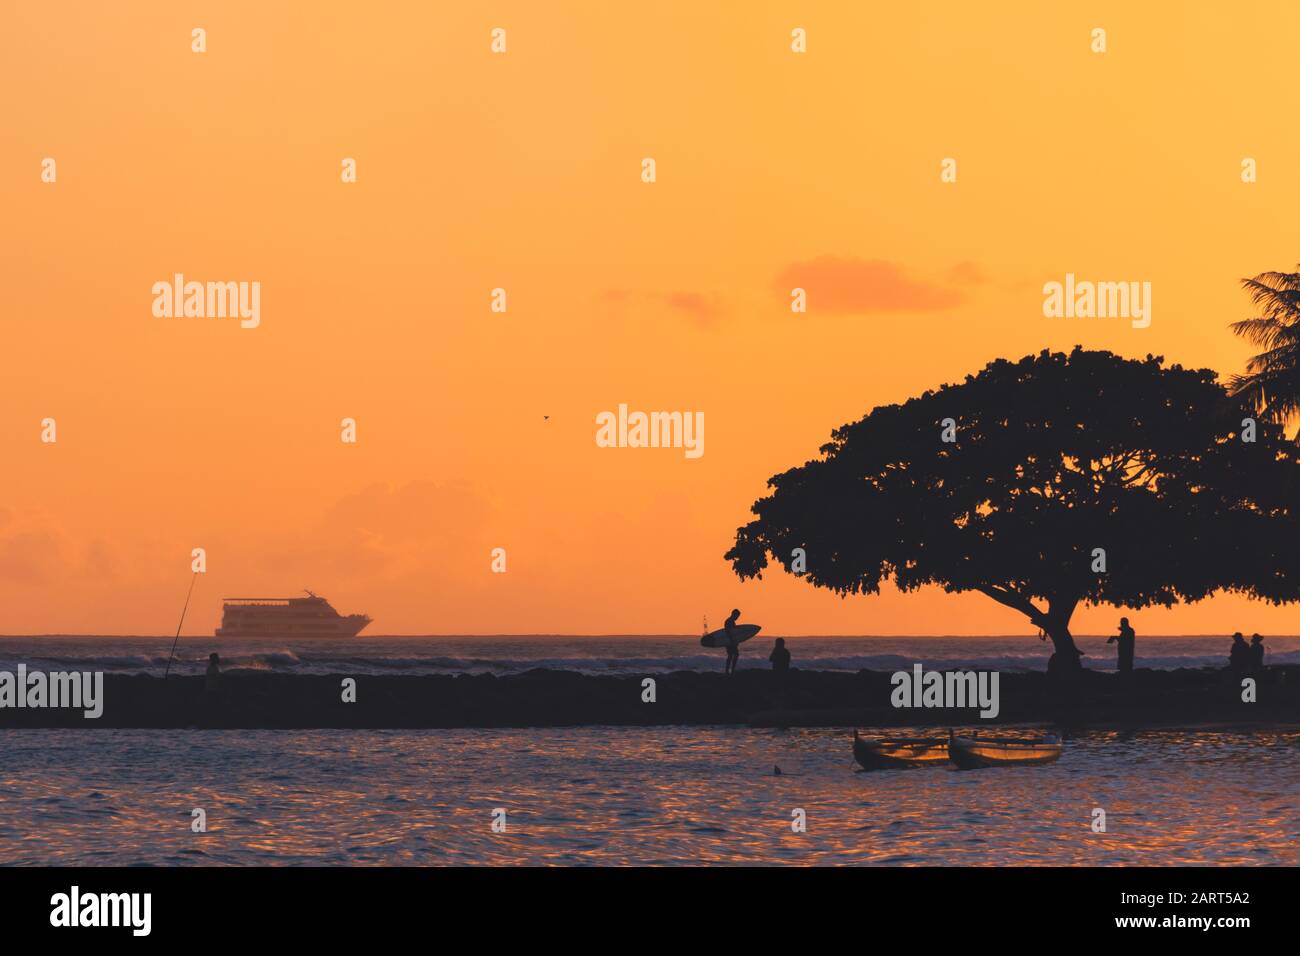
{"x": 178, "y": 626}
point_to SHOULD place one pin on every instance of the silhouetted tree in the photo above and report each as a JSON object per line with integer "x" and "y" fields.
{"x": 1271, "y": 385}
{"x": 1054, "y": 456}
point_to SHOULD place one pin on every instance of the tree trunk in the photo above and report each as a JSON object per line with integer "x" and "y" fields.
{"x": 1066, "y": 656}
{"x": 1056, "y": 624}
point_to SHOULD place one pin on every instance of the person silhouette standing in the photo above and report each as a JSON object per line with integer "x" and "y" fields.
{"x": 733, "y": 642}
{"x": 780, "y": 658}
{"x": 1239, "y": 656}
{"x": 1127, "y": 639}
{"x": 1256, "y": 653}
{"x": 212, "y": 677}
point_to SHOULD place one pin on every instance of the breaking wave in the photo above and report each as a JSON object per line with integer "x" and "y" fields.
{"x": 590, "y": 655}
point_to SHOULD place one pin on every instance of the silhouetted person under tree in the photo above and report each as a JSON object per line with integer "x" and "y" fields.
{"x": 1127, "y": 638}
{"x": 1256, "y": 653}
{"x": 1239, "y": 656}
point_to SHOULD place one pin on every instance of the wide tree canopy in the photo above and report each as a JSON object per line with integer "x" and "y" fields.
{"x": 1049, "y": 459}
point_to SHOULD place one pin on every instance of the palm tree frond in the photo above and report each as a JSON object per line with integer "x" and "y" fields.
{"x": 1271, "y": 383}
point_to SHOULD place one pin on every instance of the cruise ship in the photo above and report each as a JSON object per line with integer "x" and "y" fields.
{"x": 311, "y": 616}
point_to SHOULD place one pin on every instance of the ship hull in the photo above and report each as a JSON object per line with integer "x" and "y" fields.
{"x": 296, "y": 635}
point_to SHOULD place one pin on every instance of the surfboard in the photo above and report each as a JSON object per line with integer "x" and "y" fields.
{"x": 718, "y": 638}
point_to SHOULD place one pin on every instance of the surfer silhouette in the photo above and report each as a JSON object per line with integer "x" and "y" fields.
{"x": 733, "y": 643}
{"x": 729, "y": 637}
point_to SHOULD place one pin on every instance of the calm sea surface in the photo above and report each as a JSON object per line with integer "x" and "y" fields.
{"x": 643, "y": 796}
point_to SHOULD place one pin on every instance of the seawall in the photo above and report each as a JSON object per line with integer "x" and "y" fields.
{"x": 550, "y": 698}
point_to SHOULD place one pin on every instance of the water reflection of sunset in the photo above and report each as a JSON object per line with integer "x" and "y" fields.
{"x": 641, "y": 795}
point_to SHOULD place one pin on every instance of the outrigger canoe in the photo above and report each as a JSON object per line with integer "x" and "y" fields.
{"x": 969, "y": 753}
{"x": 898, "y": 752}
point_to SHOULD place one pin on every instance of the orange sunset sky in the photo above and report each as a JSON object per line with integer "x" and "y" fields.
{"x": 522, "y": 170}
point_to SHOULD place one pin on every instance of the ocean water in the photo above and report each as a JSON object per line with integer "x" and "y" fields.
{"x": 630, "y": 654}
{"x": 603, "y": 795}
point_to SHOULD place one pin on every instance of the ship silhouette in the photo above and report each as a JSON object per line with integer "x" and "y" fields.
{"x": 311, "y": 616}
